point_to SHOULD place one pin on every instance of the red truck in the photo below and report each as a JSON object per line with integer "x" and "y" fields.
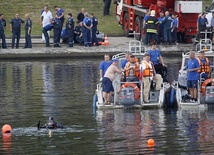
{"x": 130, "y": 14}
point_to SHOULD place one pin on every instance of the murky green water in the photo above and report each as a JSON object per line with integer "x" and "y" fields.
{"x": 34, "y": 90}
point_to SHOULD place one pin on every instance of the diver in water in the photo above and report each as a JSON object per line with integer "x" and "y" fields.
{"x": 51, "y": 124}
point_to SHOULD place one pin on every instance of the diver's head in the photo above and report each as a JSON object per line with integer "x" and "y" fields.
{"x": 51, "y": 118}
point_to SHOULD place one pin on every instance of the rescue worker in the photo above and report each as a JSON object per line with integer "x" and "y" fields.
{"x": 2, "y": 35}
{"x": 192, "y": 76}
{"x": 104, "y": 65}
{"x": 70, "y": 29}
{"x": 106, "y": 9}
{"x": 144, "y": 26}
{"x": 78, "y": 33}
{"x": 204, "y": 65}
{"x": 174, "y": 29}
{"x": 57, "y": 25}
{"x": 4, "y": 22}
{"x": 45, "y": 30}
{"x": 167, "y": 28}
{"x": 132, "y": 69}
{"x": 15, "y": 28}
{"x": 147, "y": 74}
{"x": 87, "y": 30}
{"x": 51, "y": 124}
{"x": 157, "y": 60}
{"x": 160, "y": 29}
{"x": 28, "y": 29}
{"x": 94, "y": 30}
{"x": 151, "y": 28}
{"x": 60, "y": 13}
{"x": 201, "y": 26}
{"x": 80, "y": 15}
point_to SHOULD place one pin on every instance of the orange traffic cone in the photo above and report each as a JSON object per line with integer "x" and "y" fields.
{"x": 106, "y": 43}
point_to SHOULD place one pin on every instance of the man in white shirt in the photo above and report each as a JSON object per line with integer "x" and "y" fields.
{"x": 46, "y": 18}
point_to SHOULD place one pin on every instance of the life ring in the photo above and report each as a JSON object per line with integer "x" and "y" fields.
{"x": 204, "y": 85}
{"x": 133, "y": 85}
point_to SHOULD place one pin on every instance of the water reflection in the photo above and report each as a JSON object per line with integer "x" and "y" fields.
{"x": 173, "y": 131}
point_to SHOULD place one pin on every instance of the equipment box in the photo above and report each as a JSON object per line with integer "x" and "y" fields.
{"x": 127, "y": 96}
{"x": 209, "y": 95}
{"x": 188, "y": 6}
{"x": 154, "y": 96}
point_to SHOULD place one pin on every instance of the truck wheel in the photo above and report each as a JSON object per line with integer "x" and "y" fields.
{"x": 126, "y": 24}
{"x": 137, "y": 28}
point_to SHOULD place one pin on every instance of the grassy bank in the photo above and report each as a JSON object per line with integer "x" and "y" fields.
{"x": 107, "y": 24}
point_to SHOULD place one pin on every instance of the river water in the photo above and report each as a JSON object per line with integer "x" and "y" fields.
{"x": 34, "y": 90}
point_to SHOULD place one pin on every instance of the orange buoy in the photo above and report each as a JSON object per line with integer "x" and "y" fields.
{"x": 151, "y": 142}
{"x": 6, "y": 128}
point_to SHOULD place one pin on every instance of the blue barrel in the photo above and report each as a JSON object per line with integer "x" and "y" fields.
{"x": 172, "y": 97}
{"x": 95, "y": 99}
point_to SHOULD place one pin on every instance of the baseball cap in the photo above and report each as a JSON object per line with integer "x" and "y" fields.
{"x": 115, "y": 60}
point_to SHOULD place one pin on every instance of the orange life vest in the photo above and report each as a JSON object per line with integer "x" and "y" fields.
{"x": 137, "y": 67}
{"x": 204, "y": 67}
{"x": 148, "y": 72}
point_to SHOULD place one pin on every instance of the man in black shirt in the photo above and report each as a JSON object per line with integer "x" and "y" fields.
{"x": 81, "y": 16}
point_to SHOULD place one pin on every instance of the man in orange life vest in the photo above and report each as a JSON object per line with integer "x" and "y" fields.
{"x": 148, "y": 74}
{"x": 204, "y": 65}
{"x": 132, "y": 69}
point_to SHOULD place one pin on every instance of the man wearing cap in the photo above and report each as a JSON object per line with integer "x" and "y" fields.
{"x": 147, "y": 74}
{"x": 151, "y": 28}
{"x": 192, "y": 76}
{"x": 132, "y": 69}
{"x": 109, "y": 76}
{"x": 204, "y": 65}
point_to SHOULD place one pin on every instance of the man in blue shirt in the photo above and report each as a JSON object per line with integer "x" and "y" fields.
{"x": 2, "y": 35}
{"x": 15, "y": 28}
{"x": 167, "y": 28}
{"x": 192, "y": 76}
{"x": 174, "y": 28}
{"x": 157, "y": 60}
{"x": 201, "y": 26}
{"x": 94, "y": 30}
{"x": 160, "y": 28}
{"x": 60, "y": 13}
{"x": 28, "y": 29}
{"x": 104, "y": 65}
{"x": 70, "y": 29}
{"x": 87, "y": 24}
{"x": 144, "y": 26}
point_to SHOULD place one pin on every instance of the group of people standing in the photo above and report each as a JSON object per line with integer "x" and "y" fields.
{"x": 15, "y": 28}
{"x": 161, "y": 30}
{"x": 84, "y": 33}
{"x": 144, "y": 72}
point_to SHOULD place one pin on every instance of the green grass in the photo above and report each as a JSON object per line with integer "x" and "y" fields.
{"x": 107, "y": 24}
